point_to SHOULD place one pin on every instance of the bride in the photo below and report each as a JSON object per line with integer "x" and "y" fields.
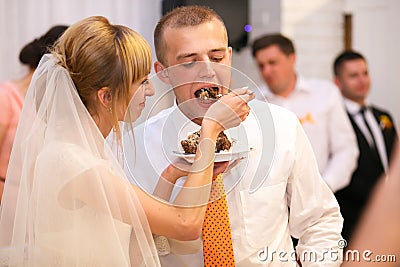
{"x": 67, "y": 201}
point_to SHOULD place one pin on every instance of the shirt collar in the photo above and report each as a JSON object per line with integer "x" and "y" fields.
{"x": 179, "y": 119}
{"x": 353, "y": 107}
{"x": 300, "y": 86}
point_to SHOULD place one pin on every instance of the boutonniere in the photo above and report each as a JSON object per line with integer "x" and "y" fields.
{"x": 385, "y": 122}
{"x": 307, "y": 119}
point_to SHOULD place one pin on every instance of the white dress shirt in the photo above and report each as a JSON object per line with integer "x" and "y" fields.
{"x": 292, "y": 200}
{"x": 319, "y": 107}
{"x": 354, "y": 109}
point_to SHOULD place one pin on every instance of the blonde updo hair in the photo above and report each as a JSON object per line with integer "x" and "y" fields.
{"x": 98, "y": 54}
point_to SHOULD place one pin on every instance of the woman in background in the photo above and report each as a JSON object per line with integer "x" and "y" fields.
{"x": 12, "y": 94}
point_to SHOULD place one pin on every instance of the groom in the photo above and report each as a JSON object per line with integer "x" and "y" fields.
{"x": 274, "y": 193}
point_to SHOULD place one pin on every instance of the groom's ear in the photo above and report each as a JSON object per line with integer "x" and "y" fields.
{"x": 162, "y": 72}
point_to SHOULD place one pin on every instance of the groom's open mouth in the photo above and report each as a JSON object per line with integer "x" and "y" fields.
{"x": 208, "y": 94}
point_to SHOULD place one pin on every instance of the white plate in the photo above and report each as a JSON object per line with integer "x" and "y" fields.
{"x": 219, "y": 157}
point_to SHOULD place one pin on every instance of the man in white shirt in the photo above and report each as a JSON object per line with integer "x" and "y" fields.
{"x": 274, "y": 192}
{"x": 375, "y": 131}
{"x": 316, "y": 102}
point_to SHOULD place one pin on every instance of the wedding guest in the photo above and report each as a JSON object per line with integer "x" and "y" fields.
{"x": 12, "y": 94}
{"x": 375, "y": 131}
{"x": 193, "y": 56}
{"x": 316, "y": 102}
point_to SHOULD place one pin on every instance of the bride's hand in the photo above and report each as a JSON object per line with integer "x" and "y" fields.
{"x": 230, "y": 110}
{"x": 177, "y": 169}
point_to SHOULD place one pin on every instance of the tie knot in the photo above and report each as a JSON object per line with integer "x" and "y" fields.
{"x": 218, "y": 176}
{"x": 363, "y": 109}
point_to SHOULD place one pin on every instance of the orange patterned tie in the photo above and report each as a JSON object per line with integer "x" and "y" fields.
{"x": 216, "y": 232}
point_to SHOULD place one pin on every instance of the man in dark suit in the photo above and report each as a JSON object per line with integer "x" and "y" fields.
{"x": 375, "y": 133}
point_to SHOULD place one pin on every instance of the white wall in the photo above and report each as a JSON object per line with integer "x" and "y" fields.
{"x": 23, "y": 20}
{"x": 315, "y": 26}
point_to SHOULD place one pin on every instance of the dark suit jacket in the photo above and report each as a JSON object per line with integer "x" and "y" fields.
{"x": 354, "y": 197}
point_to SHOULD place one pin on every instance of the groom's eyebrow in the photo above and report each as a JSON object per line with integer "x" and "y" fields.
{"x": 186, "y": 55}
{"x": 191, "y": 54}
{"x": 221, "y": 49}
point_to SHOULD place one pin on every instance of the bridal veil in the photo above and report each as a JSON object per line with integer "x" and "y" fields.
{"x": 67, "y": 200}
